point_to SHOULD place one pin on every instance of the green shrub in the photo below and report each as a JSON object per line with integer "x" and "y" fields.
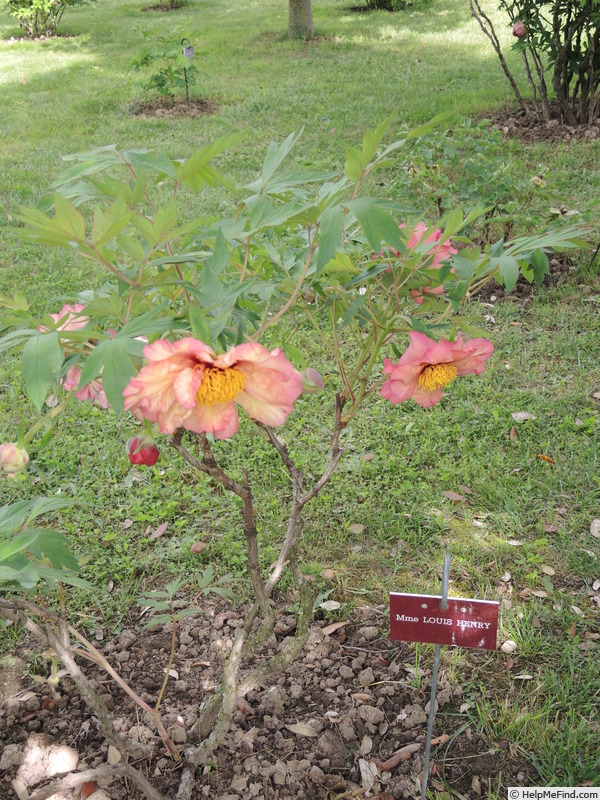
{"x": 40, "y": 17}
{"x": 174, "y": 72}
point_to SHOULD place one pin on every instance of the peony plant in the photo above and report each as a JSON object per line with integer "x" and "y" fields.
{"x": 195, "y": 325}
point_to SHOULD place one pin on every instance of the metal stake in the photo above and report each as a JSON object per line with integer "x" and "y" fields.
{"x": 434, "y": 680}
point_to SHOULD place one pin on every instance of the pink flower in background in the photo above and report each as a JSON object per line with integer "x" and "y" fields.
{"x": 142, "y": 450}
{"x": 94, "y": 391}
{"x": 71, "y": 316}
{"x": 440, "y": 254}
{"x": 427, "y": 366}
{"x": 519, "y": 29}
{"x": 13, "y": 459}
{"x": 185, "y": 385}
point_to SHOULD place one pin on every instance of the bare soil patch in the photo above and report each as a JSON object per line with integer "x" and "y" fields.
{"x": 164, "y": 7}
{"x": 353, "y": 700}
{"x": 164, "y": 108}
{"x": 515, "y": 124}
{"x": 561, "y": 270}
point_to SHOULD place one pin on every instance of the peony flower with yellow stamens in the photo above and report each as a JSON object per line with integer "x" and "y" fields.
{"x": 185, "y": 385}
{"x": 428, "y": 366}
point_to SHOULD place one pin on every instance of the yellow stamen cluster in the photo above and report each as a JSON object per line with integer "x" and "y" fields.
{"x": 220, "y": 385}
{"x": 436, "y": 376}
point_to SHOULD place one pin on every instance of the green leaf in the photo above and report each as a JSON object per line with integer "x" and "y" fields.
{"x": 331, "y": 230}
{"x": 354, "y": 163}
{"x": 540, "y": 265}
{"x": 508, "y": 268}
{"x": 198, "y": 324}
{"x": 110, "y": 223}
{"x": 18, "y": 544}
{"x": 378, "y": 225}
{"x": 112, "y": 359}
{"x": 276, "y": 155}
{"x": 42, "y": 356}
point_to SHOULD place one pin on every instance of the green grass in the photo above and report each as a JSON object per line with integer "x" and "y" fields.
{"x": 68, "y": 94}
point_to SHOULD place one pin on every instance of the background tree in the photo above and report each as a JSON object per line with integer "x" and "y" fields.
{"x": 300, "y": 25}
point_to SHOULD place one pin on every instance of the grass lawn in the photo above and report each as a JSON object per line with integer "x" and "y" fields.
{"x": 530, "y": 486}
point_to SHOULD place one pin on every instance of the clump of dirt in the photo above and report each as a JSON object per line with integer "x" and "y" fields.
{"x": 516, "y": 124}
{"x": 334, "y": 722}
{"x": 161, "y": 107}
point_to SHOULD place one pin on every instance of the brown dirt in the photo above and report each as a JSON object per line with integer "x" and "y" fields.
{"x": 561, "y": 270}
{"x": 166, "y": 7}
{"x": 354, "y": 688}
{"x": 161, "y": 107}
{"x": 515, "y": 124}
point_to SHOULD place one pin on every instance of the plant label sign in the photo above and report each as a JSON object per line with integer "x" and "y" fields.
{"x": 464, "y": 623}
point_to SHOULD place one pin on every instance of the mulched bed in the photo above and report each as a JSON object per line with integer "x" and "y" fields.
{"x": 352, "y": 701}
{"x": 515, "y": 124}
{"x": 163, "y": 108}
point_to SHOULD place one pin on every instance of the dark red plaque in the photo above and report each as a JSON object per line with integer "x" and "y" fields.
{"x": 465, "y": 623}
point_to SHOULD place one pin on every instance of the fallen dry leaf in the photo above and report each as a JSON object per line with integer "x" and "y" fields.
{"x": 329, "y": 629}
{"x": 545, "y": 458}
{"x": 548, "y": 570}
{"x": 402, "y": 755}
{"x": 302, "y": 729}
{"x": 356, "y": 528}
{"x": 515, "y": 542}
{"x": 536, "y": 623}
{"x": 159, "y": 531}
{"x": 329, "y": 574}
{"x": 550, "y": 528}
{"x": 88, "y": 788}
{"x": 362, "y": 697}
{"x": 244, "y": 706}
{"x": 440, "y": 739}
{"x": 595, "y": 528}
{"x": 577, "y": 610}
{"x": 510, "y": 662}
{"x": 476, "y": 785}
{"x": 454, "y": 497}
{"x": 524, "y": 594}
{"x": 465, "y": 489}
{"x": 127, "y": 524}
{"x": 524, "y": 677}
{"x": 506, "y": 577}
{"x": 596, "y": 585}
{"x": 513, "y": 433}
{"x": 330, "y": 605}
{"x": 521, "y": 416}
{"x": 368, "y": 773}
{"x": 197, "y": 548}
{"x": 539, "y": 593}
{"x": 573, "y": 630}
{"x": 560, "y": 511}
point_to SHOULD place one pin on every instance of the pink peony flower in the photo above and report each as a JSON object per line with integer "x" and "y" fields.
{"x": 519, "y": 29}
{"x": 94, "y": 391}
{"x": 427, "y": 366}
{"x": 13, "y": 459}
{"x": 185, "y": 385}
{"x": 440, "y": 254}
{"x": 73, "y": 319}
{"x": 142, "y": 450}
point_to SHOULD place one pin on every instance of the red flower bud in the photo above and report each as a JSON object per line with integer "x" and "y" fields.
{"x": 519, "y": 29}
{"x": 142, "y": 450}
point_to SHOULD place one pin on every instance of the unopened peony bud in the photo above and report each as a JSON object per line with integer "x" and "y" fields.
{"x": 311, "y": 381}
{"x": 142, "y": 450}
{"x": 519, "y": 29}
{"x": 13, "y": 459}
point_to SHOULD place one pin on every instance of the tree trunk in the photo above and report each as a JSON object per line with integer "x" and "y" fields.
{"x": 300, "y": 24}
